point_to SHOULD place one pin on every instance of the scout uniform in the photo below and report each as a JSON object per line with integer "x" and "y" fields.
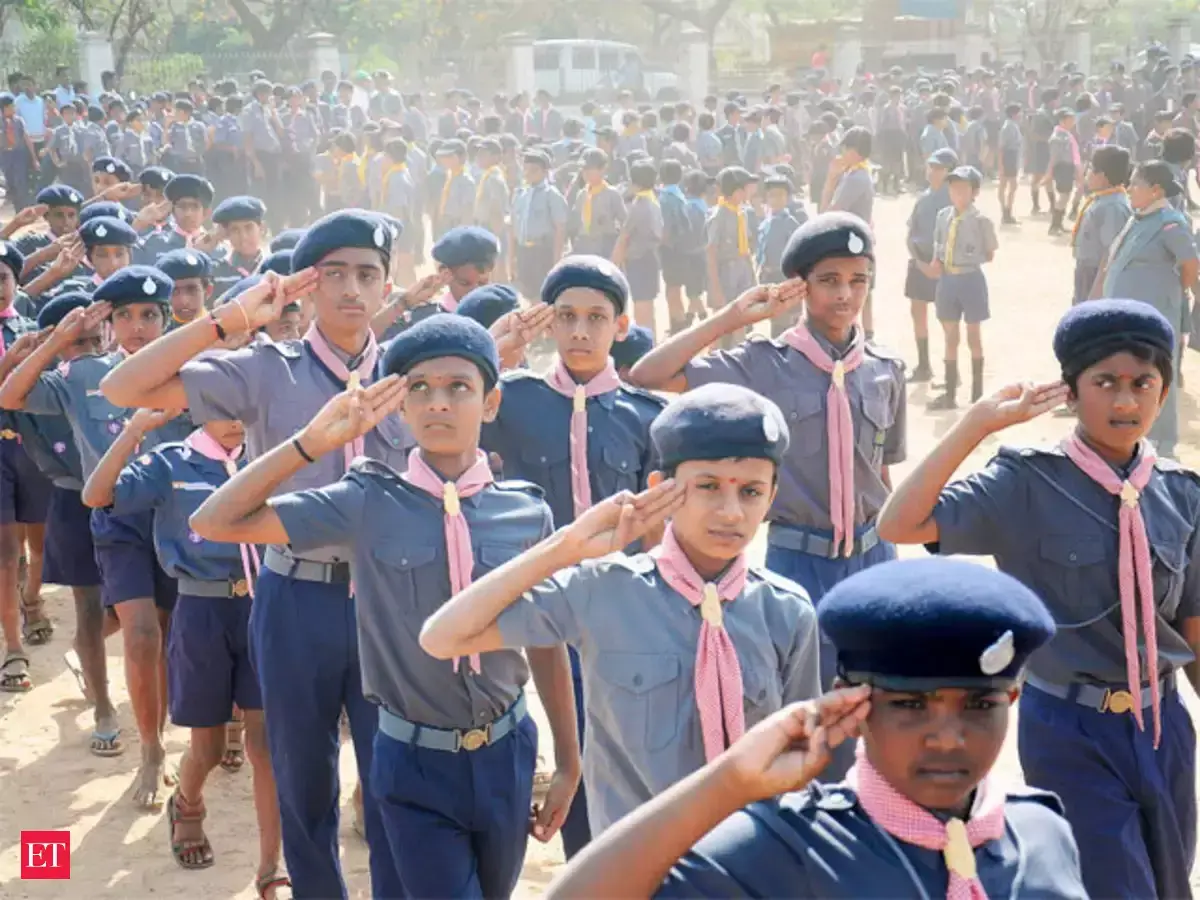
{"x": 597, "y": 214}
{"x": 97, "y": 231}
{"x": 730, "y": 237}
{"x": 644, "y": 227}
{"x": 67, "y": 145}
{"x": 1050, "y": 518}
{"x": 539, "y": 210}
{"x": 303, "y": 132}
{"x": 1063, "y": 168}
{"x": 302, "y": 626}
{"x": 962, "y": 243}
{"x": 456, "y": 747}
{"x": 180, "y": 187}
{"x": 454, "y": 203}
{"x": 258, "y": 128}
{"x": 922, "y": 223}
{"x": 774, "y": 232}
{"x": 536, "y": 434}
{"x": 911, "y": 625}
{"x": 1101, "y": 218}
{"x": 182, "y": 265}
{"x": 55, "y": 196}
{"x": 492, "y": 196}
{"x": 648, "y": 723}
{"x": 15, "y": 162}
{"x": 231, "y": 267}
{"x": 855, "y": 192}
{"x": 398, "y": 199}
{"x": 136, "y": 150}
{"x": 227, "y": 165}
{"x": 808, "y": 541}
{"x": 185, "y": 144}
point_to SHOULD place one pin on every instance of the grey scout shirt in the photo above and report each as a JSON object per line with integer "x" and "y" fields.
{"x": 1049, "y": 525}
{"x": 275, "y": 389}
{"x": 68, "y": 143}
{"x": 1060, "y": 148}
{"x": 459, "y": 207}
{"x": 172, "y": 481}
{"x": 820, "y": 843}
{"x": 538, "y": 210}
{"x": 876, "y": 389}
{"x": 855, "y": 193}
{"x": 1101, "y": 224}
{"x": 401, "y": 576}
{"x": 974, "y": 238}
{"x": 532, "y": 432}
{"x": 608, "y": 217}
{"x": 491, "y": 201}
{"x": 1010, "y": 136}
{"x": 922, "y": 222}
{"x": 256, "y": 123}
{"x": 637, "y": 640}
{"x": 644, "y": 225}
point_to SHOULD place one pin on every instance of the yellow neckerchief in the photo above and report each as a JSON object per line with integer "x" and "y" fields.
{"x": 593, "y": 190}
{"x": 1087, "y": 204}
{"x": 387, "y": 177}
{"x": 362, "y": 162}
{"x": 483, "y": 177}
{"x": 629, "y": 131}
{"x": 862, "y": 164}
{"x": 647, "y": 195}
{"x": 743, "y": 231}
{"x": 451, "y": 174}
{"x": 952, "y": 234}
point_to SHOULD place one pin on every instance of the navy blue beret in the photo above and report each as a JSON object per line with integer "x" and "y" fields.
{"x": 355, "y": 228}
{"x": 12, "y": 257}
{"x": 279, "y": 262}
{"x": 637, "y": 344}
{"x": 488, "y": 303}
{"x": 719, "y": 421}
{"x": 829, "y": 235}
{"x": 583, "y": 271}
{"x": 924, "y": 624}
{"x": 1110, "y": 324}
{"x": 467, "y": 245}
{"x": 184, "y": 263}
{"x": 155, "y": 177}
{"x": 107, "y": 209}
{"x": 944, "y": 157}
{"x": 108, "y": 165}
{"x": 441, "y": 335}
{"x": 239, "y": 209}
{"x": 969, "y": 174}
{"x": 286, "y": 239}
{"x": 60, "y": 195}
{"x": 135, "y": 284}
{"x": 106, "y": 231}
{"x": 189, "y": 187}
{"x": 393, "y": 223}
{"x": 56, "y": 309}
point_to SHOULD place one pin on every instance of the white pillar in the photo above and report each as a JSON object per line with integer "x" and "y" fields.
{"x": 974, "y": 42}
{"x": 519, "y": 71}
{"x": 95, "y": 56}
{"x": 693, "y": 66}
{"x": 1179, "y": 38}
{"x": 323, "y": 54}
{"x": 1079, "y": 46}
{"x": 847, "y": 53}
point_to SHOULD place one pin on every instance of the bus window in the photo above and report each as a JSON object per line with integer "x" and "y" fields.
{"x": 583, "y": 58}
{"x": 545, "y": 59}
{"x": 610, "y": 61}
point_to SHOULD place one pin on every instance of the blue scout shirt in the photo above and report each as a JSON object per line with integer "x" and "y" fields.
{"x": 538, "y": 211}
{"x": 401, "y": 573}
{"x": 637, "y": 640}
{"x": 819, "y": 843}
{"x": 773, "y": 234}
{"x": 1053, "y": 528}
{"x": 275, "y": 389}
{"x": 172, "y": 481}
{"x": 532, "y": 432}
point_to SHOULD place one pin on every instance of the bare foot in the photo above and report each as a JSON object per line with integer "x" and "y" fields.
{"x": 151, "y": 777}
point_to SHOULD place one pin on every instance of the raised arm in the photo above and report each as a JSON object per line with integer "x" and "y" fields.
{"x": 101, "y": 485}
{"x": 21, "y": 381}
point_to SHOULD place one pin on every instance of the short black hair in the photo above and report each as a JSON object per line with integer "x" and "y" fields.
{"x": 643, "y": 175}
{"x": 1179, "y": 146}
{"x": 1112, "y": 162}
{"x": 859, "y": 140}
{"x": 1139, "y": 350}
{"x": 397, "y": 149}
{"x": 706, "y": 122}
{"x": 670, "y": 171}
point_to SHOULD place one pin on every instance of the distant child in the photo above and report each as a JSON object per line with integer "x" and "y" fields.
{"x": 823, "y": 151}
{"x": 1011, "y": 142}
{"x": 683, "y": 243}
{"x": 774, "y": 232}
{"x": 964, "y": 240}
{"x": 730, "y": 245}
{"x": 597, "y": 210}
{"x": 398, "y": 199}
{"x": 349, "y": 190}
{"x": 638, "y": 245}
{"x": 1064, "y": 169}
{"x": 1102, "y": 216}
{"x": 1152, "y": 146}
{"x": 920, "y": 285}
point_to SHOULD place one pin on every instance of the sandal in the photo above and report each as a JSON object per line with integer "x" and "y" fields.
{"x": 190, "y": 853}
{"x": 107, "y": 743}
{"x": 14, "y": 673}
{"x": 272, "y": 881}
{"x": 37, "y": 629}
{"x": 235, "y": 751}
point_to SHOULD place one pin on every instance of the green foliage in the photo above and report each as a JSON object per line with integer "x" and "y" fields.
{"x": 39, "y": 55}
{"x": 152, "y": 72}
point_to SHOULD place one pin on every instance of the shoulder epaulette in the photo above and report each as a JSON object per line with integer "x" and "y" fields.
{"x": 519, "y": 485}
{"x": 644, "y": 394}
{"x": 1026, "y": 794}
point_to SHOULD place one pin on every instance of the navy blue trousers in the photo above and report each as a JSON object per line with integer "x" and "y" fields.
{"x": 576, "y": 831}
{"x": 304, "y": 646}
{"x": 457, "y": 823}
{"x": 1132, "y": 808}
{"x": 818, "y": 575}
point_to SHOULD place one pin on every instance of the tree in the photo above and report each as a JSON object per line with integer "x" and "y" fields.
{"x": 703, "y": 14}
{"x": 127, "y": 24}
{"x": 1043, "y": 23}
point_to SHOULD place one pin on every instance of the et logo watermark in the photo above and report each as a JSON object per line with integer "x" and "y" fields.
{"x": 45, "y": 855}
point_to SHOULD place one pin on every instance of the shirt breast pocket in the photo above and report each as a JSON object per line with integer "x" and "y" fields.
{"x": 807, "y": 424}
{"x": 761, "y": 693}
{"x": 539, "y": 460}
{"x": 877, "y": 419}
{"x": 1070, "y": 566}
{"x": 643, "y": 692}
{"x": 493, "y": 556}
{"x": 620, "y": 468}
{"x": 105, "y": 418}
{"x": 410, "y": 575}
{"x": 1170, "y": 566}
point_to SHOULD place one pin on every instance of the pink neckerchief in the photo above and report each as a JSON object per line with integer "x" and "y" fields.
{"x": 840, "y": 425}
{"x": 1133, "y": 566}
{"x": 97, "y": 280}
{"x": 1075, "y": 158}
{"x": 564, "y": 383}
{"x": 365, "y": 369}
{"x": 7, "y": 313}
{"x": 718, "y": 675}
{"x": 246, "y": 273}
{"x": 189, "y": 237}
{"x": 447, "y": 301}
{"x": 458, "y": 535}
{"x": 208, "y": 446}
{"x": 913, "y": 824}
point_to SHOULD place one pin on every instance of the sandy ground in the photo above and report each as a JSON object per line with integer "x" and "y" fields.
{"x": 48, "y": 780}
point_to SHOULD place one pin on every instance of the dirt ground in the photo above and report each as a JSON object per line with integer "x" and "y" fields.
{"x": 49, "y": 781}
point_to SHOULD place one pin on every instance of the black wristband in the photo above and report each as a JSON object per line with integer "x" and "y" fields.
{"x": 303, "y": 453}
{"x": 217, "y": 325}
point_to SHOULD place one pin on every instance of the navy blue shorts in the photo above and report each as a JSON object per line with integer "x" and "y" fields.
{"x": 1011, "y": 159}
{"x": 918, "y": 285}
{"x": 643, "y": 274}
{"x": 962, "y": 297}
{"x": 686, "y": 270}
{"x": 208, "y": 661}
{"x": 130, "y": 571}
{"x": 1064, "y": 177}
{"x": 24, "y": 490}
{"x": 70, "y": 558}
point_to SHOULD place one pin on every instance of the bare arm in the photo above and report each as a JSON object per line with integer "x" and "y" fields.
{"x": 101, "y": 486}
{"x": 551, "y": 671}
{"x": 16, "y": 387}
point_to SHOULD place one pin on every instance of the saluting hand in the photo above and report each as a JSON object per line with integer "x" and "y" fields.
{"x": 79, "y": 320}
{"x": 515, "y": 331}
{"x": 787, "y": 750}
{"x": 125, "y": 190}
{"x": 20, "y": 349}
{"x": 615, "y": 523}
{"x": 256, "y": 307}
{"x": 422, "y": 292}
{"x": 766, "y": 301}
{"x": 28, "y": 216}
{"x": 69, "y": 257}
{"x": 1016, "y": 403}
{"x": 152, "y": 215}
{"x": 146, "y": 420}
{"x": 351, "y": 414}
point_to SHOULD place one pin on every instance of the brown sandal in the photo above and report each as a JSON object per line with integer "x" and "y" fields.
{"x": 14, "y": 673}
{"x": 184, "y": 851}
{"x": 272, "y": 881}
{"x": 235, "y": 751}
{"x": 36, "y": 628}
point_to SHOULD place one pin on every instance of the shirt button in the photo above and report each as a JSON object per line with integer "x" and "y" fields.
{"x": 637, "y": 680}
{"x": 404, "y": 562}
{"x": 543, "y": 459}
{"x": 793, "y": 415}
{"x": 1071, "y": 557}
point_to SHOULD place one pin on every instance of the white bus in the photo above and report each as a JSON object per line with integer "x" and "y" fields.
{"x": 570, "y": 68}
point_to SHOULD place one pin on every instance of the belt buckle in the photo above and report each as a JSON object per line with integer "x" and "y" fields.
{"x": 240, "y": 588}
{"x": 7, "y": 434}
{"x": 474, "y": 739}
{"x": 1117, "y": 702}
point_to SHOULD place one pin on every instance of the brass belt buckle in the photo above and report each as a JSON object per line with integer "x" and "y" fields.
{"x": 474, "y": 739}
{"x": 7, "y": 434}
{"x": 240, "y": 588}
{"x": 1117, "y": 702}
